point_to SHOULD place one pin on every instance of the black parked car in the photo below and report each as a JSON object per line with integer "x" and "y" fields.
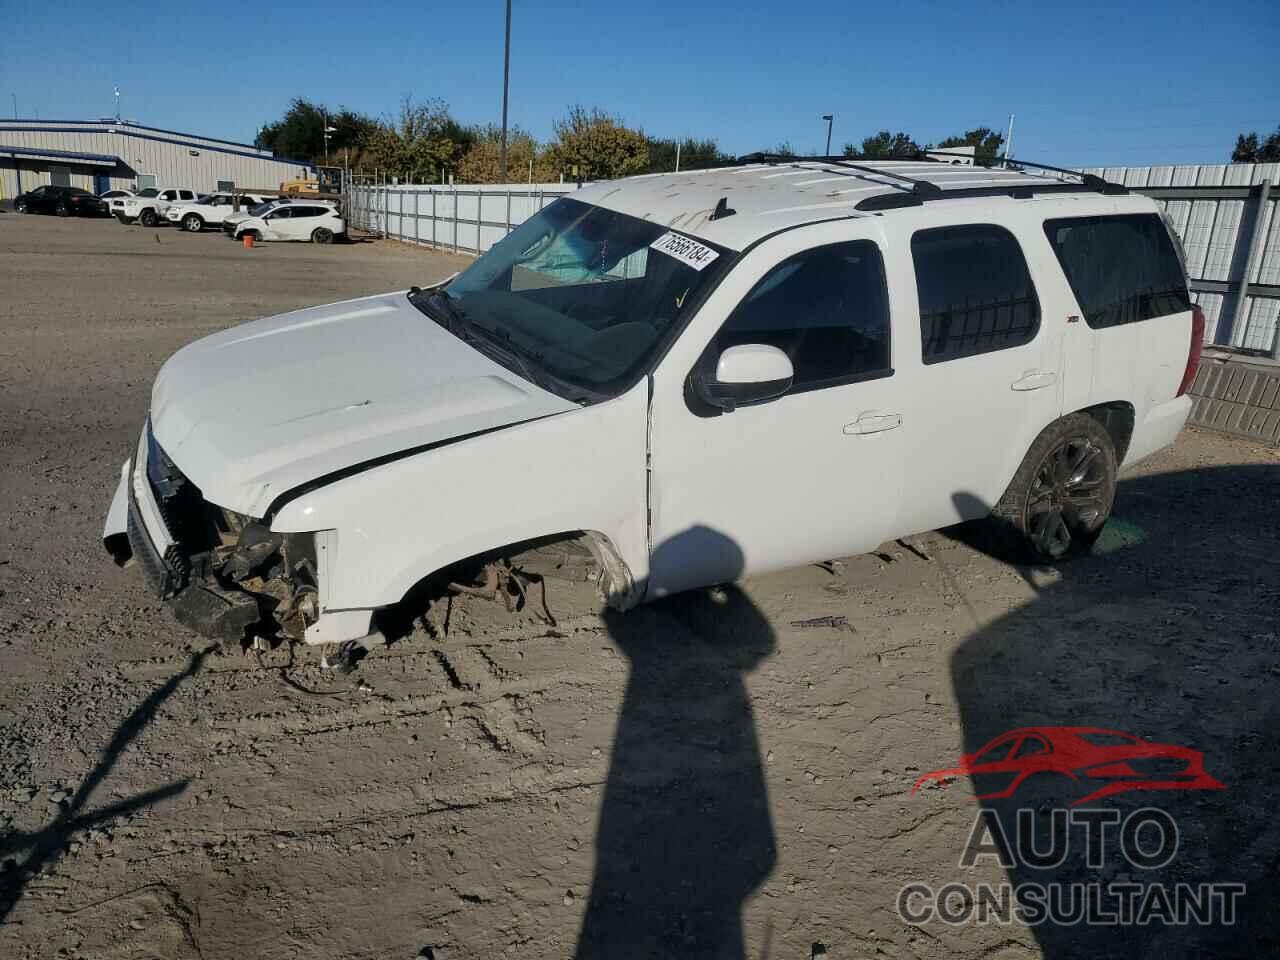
{"x": 64, "y": 201}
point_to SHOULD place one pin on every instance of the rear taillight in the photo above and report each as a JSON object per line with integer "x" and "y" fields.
{"x": 1193, "y": 354}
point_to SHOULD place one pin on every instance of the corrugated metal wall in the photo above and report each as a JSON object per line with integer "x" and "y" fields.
{"x": 1210, "y": 231}
{"x": 175, "y": 159}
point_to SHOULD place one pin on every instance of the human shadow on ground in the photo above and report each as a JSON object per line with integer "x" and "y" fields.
{"x": 685, "y": 834}
{"x": 1170, "y": 633}
{"x": 45, "y": 847}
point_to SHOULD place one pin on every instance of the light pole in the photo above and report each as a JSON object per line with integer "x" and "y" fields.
{"x": 15, "y": 105}
{"x": 828, "y": 117}
{"x": 327, "y": 130}
{"x": 506, "y": 79}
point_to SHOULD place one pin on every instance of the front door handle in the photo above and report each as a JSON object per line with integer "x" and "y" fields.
{"x": 1035, "y": 380}
{"x": 874, "y": 423}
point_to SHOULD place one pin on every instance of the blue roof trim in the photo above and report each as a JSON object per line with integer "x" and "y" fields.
{"x": 60, "y": 154}
{"x": 125, "y": 131}
{"x": 139, "y": 126}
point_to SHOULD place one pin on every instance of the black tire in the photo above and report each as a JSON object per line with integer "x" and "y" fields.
{"x": 148, "y": 218}
{"x": 193, "y": 223}
{"x": 1061, "y": 496}
{"x": 63, "y": 209}
{"x": 21, "y": 207}
{"x": 322, "y": 235}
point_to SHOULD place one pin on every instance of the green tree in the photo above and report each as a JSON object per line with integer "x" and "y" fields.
{"x": 421, "y": 145}
{"x": 1250, "y": 149}
{"x": 299, "y": 134}
{"x": 483, "y": 160}
{"x": 986, "y": 140}
{"x": 884, "y": 146}
{"x": 599, "y": 145}
{"x": 694, "y": 154}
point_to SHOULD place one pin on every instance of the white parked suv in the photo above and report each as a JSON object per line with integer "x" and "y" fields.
{"x": 697, "y": 376}
{"x": 148, "y": 206}
{"x": 209, "y": 210}
{"x": 315, "y": 221}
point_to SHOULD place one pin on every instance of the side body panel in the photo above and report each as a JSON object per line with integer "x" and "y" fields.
{"x": 971, "y": 424}
{"x": 396, "y": 523}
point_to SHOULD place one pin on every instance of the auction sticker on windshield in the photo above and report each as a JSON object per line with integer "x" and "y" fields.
{"x": 685, "y": 250}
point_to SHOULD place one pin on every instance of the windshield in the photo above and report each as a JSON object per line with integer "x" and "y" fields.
{"x": 584, "y": 293}
{"x": 149, "y": 192}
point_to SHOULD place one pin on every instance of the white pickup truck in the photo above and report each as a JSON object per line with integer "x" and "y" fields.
{"x": 148, "y": 206}
{"x": 209, "y": 210}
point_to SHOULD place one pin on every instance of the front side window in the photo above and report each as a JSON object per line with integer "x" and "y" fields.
{"x": 1122, "y": 269}
{"x": 826, "y": 308}
{"x": 149, "y": 193}
{"x": 579, "y": 292}
{"x": 975, "y": 291}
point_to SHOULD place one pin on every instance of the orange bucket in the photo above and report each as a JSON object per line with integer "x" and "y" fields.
{"x": 248, "y": 241}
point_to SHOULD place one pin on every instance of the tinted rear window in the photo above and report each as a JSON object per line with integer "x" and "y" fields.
{"x": 975, "y": 291}
{"x": 1122, "y": 269}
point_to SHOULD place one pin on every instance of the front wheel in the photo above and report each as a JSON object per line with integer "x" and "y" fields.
{"x": 148, "y": 218}
{"x": 1062, "y": 494}
{"x": 62, "y": 210}
{"x": 193, "y": 223}
{"x": 21, "y": 207}
{"x": 322, "y": 235}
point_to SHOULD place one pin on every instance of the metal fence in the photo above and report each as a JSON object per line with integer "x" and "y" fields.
{"x": 1224, "y": 213}
{"x": 467, "y": 219}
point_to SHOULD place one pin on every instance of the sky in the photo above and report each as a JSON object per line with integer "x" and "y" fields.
{"x": 1090, "y": 84}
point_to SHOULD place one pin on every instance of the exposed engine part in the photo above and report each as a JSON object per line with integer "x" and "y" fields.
{"x": 255, "y": 546}
{"x": 276, "y": 571}
{"x": 500, "y": 578}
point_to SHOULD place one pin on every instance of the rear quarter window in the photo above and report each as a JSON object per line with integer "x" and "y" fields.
{"x": 1122, "y": 269}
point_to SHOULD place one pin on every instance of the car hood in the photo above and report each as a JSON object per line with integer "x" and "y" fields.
{"x": 253, "y": 412}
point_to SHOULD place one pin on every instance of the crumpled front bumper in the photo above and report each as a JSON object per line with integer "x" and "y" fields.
{"x": 135, "y": 529}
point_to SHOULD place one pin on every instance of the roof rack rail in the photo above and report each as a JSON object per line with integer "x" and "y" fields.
{"x": 1089, "y": 179}
{"x": 919, "y": 186}
{"x": 921, "y": 190}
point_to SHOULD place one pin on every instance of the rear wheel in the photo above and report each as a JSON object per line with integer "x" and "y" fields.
{"x": 322, "y": 235}
{"x": 193, "y": 223}
{"x": 1063, "y": 492}
{"x": 148, "y": 218}
{"x": 63, "y": 209}
{"x": 21, "y": 207}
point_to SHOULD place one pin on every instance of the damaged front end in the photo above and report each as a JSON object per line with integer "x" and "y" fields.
{"x": 223, "y": 574}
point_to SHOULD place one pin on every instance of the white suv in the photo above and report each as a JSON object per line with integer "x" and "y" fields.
{"x": 696, "y": 375}
{"x": 316, "y": 221}
{"x": 209, "y": 210}
{"x": 148, "y": 206}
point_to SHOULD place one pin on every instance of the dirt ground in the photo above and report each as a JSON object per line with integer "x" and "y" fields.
{"x": 704, "y": 777}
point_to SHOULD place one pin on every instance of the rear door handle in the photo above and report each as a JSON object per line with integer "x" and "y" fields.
{"x": 874, "y": 423}
{"x": 1035, "y": 380}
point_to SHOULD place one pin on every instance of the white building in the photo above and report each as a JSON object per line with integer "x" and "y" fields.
{"x": 100, "y": 155}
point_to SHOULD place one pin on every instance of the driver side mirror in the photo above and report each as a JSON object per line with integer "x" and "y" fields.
{"x": 747, "y": 373}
